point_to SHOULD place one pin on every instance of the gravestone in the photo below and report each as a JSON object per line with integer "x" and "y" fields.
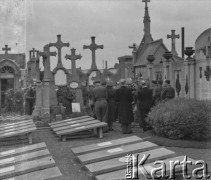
{"x": 75, "y": 83}
{"x": 49, "y": 106}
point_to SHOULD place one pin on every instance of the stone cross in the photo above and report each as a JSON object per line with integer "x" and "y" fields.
{"x": 73, "y": 57}
{"x": 93, "y": 47}
{"x": 6, "y": 49}
{"x": 173, "y": 37}
{"x": 46, "y": 59}
{"x": 59, "y": 45}
{"x": 146, "y": 1}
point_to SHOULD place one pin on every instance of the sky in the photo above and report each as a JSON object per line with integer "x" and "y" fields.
{"x": 27, "y": 24}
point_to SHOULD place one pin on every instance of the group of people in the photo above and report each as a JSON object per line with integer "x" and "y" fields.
{"x": 125, "y": 101}
{"x": 20, "y": 101}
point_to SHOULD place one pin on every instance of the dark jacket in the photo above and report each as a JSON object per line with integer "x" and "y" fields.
{"x": 99, "y": 93}
{"x": 124, "y": 99}
{"x": 145, "y": 98}
{"x": 167, "y": 93}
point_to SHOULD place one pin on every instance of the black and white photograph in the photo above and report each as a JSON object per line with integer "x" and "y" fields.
{"x": 105, "y": 89}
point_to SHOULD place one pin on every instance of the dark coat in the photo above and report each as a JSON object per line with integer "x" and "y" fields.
{"x": 124, "y": 99}
{"x": 145, "y": 98}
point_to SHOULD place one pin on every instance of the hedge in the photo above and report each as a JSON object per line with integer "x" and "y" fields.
{"x": 182, "y": 119}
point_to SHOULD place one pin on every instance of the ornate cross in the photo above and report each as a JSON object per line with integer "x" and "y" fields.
{"x": 46, "y": 59}
{"x": 173, "y": 37}
{"x": 59, "y": 45}
{"x": 6, "y": 49}
{"x": 145, "y": 1}
{"x": 73, "y": 57}
{"x": 93, "y": 47}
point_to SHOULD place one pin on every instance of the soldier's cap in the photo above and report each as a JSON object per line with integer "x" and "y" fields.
{"x": 167, "y": 81}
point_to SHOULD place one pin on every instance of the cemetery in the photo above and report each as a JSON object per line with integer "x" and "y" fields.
{"x": 62, "y": 123}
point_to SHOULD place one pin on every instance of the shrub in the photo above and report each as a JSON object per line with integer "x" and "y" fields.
{"x": 182, "y": 118}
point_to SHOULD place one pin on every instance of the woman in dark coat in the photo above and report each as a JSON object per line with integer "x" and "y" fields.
{"x": 124, "y": 98}
{"x": 111, "y": 92}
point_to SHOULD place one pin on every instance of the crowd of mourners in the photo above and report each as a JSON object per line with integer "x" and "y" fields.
{"x": 19, "y": 101}
{"x": 127, "y": 102}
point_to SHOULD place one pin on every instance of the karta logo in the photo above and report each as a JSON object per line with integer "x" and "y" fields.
{"x": 166, "y": 169}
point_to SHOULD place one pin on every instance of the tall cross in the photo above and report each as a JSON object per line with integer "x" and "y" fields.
{"x": 6, "y": 49}
{"x": 73, "y": 57}
{"x": 145, "y": 1}
{"x": 46, "y": 59}
{"x": 173, "y": 37}
{"x": 93, "y": 47}
{"x": 59, "y": 45}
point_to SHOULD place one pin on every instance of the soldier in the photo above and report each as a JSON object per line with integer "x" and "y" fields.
{"x": 168, "y": 92}
{"x": 29, "y": 100}
{"x": 19, "y": 102}
{"x": 99, "y": 96}
{"x": 9, "y": 101}
{"x": 157, "y": 89}
{"x": 111, "y": 104}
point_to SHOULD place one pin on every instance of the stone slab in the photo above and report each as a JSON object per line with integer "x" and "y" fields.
{"x": 13, "y": 129}
{"x": 120, "y": 162}
{"x": 28, "y": 148}
{"x": 71, "y": 119}
{"x": 11, "y": 125}
{"x": 69, "y": 126}
{"x": 116, "y": 152}
{"x": 17, "y": 133}
{"x": 81, "y": 128}
{"x": 39, "y": 175}
{"x": 105, "y": 145}
{"x": 120, "y": 174}
{"x": 71, "y": 122}
{"x": 26, "y": 167}
{"x": 23, "y": 157}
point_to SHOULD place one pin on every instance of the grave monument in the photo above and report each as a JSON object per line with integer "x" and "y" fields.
{"x": 75, "y": 83}
{"x": 93, "y": 73}
{"x": 48, "y": 107}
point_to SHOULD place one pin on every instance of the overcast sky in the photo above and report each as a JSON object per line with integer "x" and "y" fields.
{"x": 115, "y": 23}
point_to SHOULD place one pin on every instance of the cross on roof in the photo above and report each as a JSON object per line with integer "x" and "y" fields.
{"x": 134, "y": 47}
{"x": 173, "y": 37}
{"x": 6, "y": 49}
{"x": 146, "y": 1}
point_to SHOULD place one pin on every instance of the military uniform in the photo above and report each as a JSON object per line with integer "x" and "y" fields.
{"x": 99, "y": 95}
{"x": 167, "y": 93}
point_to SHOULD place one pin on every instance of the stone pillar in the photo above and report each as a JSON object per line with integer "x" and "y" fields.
{"x": 187, "y": 79}
{"x": 192, "y": 76}
{"x": 38, "y": 102}
{"x": 166, "y": 67}
{"x": 167, "y": 55}
{"x": 190, "y": 85}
